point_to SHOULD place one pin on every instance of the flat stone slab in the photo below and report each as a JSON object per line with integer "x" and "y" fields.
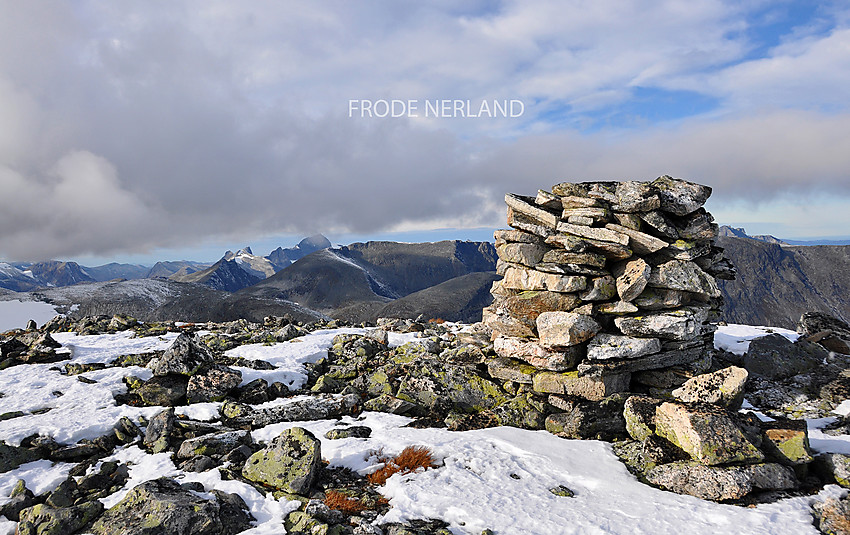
{"x": 564, "y": 329}
{"x": 606, "y": 346}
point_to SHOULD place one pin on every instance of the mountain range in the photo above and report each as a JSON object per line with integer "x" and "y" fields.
{"x": 776, "y": 282}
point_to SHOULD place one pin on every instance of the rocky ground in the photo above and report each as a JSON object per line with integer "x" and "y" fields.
{"x": 230, "y": 403}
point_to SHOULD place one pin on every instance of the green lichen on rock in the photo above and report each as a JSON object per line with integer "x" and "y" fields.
{"x": 290, "y": 462}
{"x": 42, "y": 519}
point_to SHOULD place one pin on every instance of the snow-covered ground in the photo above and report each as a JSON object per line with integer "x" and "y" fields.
{"x": 496, "y": 478}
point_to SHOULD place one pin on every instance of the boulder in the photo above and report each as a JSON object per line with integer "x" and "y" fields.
{"x": 43, "y": 519}
{"x": 216, "y": 444}
{"x": 724, "y": 387}
{"x": 212, "y": 383}
{"x": 291, "y": 462}
{"x": 706, "y": 432}
{"x": 306, "y": 409}
{"x": 184, "y": 356}
{"x": 12, "y": 457}
{"x": 639, "y": 414}
{"x": 163, "y": 507}
{"x": 775, "y": 357}
{"x": 158, "y": 432}
{"x": 163, "y": 390}
{"x": 787, "y": 441}
{"x": 833, "y": 516}
{"x": 720, "y": 483}
{"x": 527, "y": 254}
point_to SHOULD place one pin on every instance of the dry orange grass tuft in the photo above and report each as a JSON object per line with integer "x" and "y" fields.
{"x": 409, "y": 460}
{"x": 341, "y": 502}
{"x": 438, "y": 321}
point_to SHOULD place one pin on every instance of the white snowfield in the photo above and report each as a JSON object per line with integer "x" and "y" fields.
{"x": 496, "y": 478}
{"x": 15, "y": 313}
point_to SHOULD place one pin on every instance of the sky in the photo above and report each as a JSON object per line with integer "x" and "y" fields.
{"x": 172, "y": 129}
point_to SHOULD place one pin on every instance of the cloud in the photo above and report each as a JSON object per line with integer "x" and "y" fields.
{"x": 179, "y": 121}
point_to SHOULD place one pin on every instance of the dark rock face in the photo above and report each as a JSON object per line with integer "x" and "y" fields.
{"x": 163, "y": 507}
{"x": 777, "y": 284}
{"x": 224, "y": 275}
{"x": 775, "y": 357}
{"x": 185, "y": 356}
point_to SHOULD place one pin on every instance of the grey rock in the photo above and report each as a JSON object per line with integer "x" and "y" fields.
{"x": 631, "y": 278}
{"x": 632, "y": 196}
{"x": 775, "y": 357}
{"x": 588, "y": 387}
{"x": 308, "y": 409}
{"x": 686, "y": 276}
{"x": 212, "y": 383}
{"x": 43, "y": 519}
{"x": 12, "y": 457}
{"x": 527, "y": 279}
{"x": 602, "y": 420}
{"x": 524, "y": 206}
{"x": 611, "y": 346}
{"x": 601, "y": 289}
{"x": 538, "y": 356}
{"x": 217, "y": 444}
{"x": 164, "y": 390}
{"x": 721, "y": 482}
{"x": 291, "y": 462}
{"x": 682, "y": 324}
{"x": 833, "y": 515}
{"x": 185, "y": 356}
{"x": 511, "y": 369}
{"x": 159, "y": 430}
{"x": 527, "y": 254}
{"x": 163, "y": 507}
{"x": 594, "y": 233}
{"x": 639, "y": 414}
{"x": 564, "y": 329}
{"x": 678, "y": 196}
{"x": 664, "y": 359}
{"x": 354, "y": 431}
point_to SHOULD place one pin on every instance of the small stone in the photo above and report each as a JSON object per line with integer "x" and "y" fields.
{"x": 547, "y": 200}
{"x": 522, "y": 222}
{"x": 572, "y": 244}
{"x": 574, "y": 201}
{"x": 635, "y": 196}
{"x": 661, "y": 224}
{"x": 564, "y": 329}
{"x": 562, "y": 491}
{"x": 561, "y": 256}
{"x": 158, "y": 432}
{"x": 632, "y": 277}
{"x": 538, "y": 215}
{"x": 639, "y": 413}
{"x": 354, "y": 431}
{"x": 617, "y": 308}
{"x": 217, "y": 444}
{"x": 516, "y": 236}
{"x": 601, "y": 289}
{"x": 611, "y": 346}
{"x": 787, "y": 441}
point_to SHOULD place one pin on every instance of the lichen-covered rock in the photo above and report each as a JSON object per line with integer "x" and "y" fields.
{"x": 184, "y": 356}
{"x": 639, "y": 413}
{"x": 435, "y": 385}
{"x": 611, "y": 346}
{"x": 531, "y": 280}
{"x": 20, "y": 498}
{"x": 838, "y": 465}
{"x": 589, "y": 387}
{"x": 306, "y": 409}
{"x": 787, "y": 441}
{"x": 43, "y": 519}
{"x": 600, "y": 289}
{"x": 214, "y": 444}
{"x": 509, "y": 369}
{"x": 706, "y": 432}
{"x": 564, "y": 329}
{"x": 353, "y": 431}
{"x": 159, "y": 430}
{"x": 521, "y": 411}
{"x": 631, "y": 278}
{"x": 527, "y": 254}
{"x": 291, "y": 462}
{"x": 833, "y": 516}
{"x": 163, "y": 390}
{"x": 212, "y": 384}
{"x": 724, "y": 387}
{"x": 163, "y": 507}
{"x": 721, "y": 482}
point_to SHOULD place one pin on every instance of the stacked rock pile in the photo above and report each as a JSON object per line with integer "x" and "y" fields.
{"x": 607, "y": 287}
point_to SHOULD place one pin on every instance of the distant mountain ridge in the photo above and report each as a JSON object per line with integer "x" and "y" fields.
{"x": 732, "y": 232}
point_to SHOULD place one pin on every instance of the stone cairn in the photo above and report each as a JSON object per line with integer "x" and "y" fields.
{"x": 606, "y": 284}
{"x": 609, "y": 289}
